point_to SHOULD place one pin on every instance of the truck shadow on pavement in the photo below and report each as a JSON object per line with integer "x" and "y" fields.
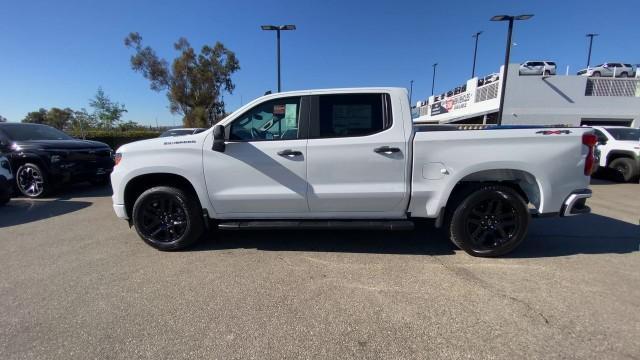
{"x": 585, "y": 234}
{"x": 21, "y": 210}
{"x": 417, "y": 242}
{"x": 553, "y": 237}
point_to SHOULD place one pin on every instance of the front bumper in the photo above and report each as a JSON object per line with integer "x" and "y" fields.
{"x": 120, "y": 211}
{"x": 67, "y": 172}
{"x": 575, "y": 204}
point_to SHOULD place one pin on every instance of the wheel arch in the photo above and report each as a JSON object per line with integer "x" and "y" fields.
{"x": 616, "y": 154}
{"x": 523, "y": 182}
{"x": 140, "y": 183}
{"x": 20, "y": 159}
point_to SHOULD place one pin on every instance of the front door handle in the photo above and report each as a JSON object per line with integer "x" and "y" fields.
{"x": 386, "y": 150}
{"x": 289, "y": 153}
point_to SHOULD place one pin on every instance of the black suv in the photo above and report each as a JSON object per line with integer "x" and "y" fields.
{"x": 43, "y": 157}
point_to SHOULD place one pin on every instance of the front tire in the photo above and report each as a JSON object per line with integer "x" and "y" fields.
{"x": 491, "y": 221}
{"x": 32, "y": 181}
{"x": 625, "y": 168}
{"x": 168, "y": 218}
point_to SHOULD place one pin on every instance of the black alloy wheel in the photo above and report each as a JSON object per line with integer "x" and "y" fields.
{"x": 163, "y": 218}
{"x": 167, "y": 218}
{"x": 31, "y": 180}
{"x": 491, "y": 221}
{"x": 625, "y": 169}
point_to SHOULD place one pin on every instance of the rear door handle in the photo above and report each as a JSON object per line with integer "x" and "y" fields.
{"x": 386, "y": 150}
{"x": 289, "y": 153}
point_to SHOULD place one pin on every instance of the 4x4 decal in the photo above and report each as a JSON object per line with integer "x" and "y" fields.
{"x": 553, "y": 132}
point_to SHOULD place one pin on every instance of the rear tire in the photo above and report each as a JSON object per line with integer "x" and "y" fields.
{"x": 626, "y": 169}
{"x": 547, "y": 73}
{"x": 596, "y": 74}
{"x": 624, "y": 75}
{"x": 168, "y": 218}
{"x": 489, "y": 222}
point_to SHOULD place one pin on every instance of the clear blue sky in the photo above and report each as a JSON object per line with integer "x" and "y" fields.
{"x": 57, "y": 53}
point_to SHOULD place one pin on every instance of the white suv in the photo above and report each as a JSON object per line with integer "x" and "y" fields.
{"x": 619, "y": 149}
{"x": 538, "y": 68}
{"x": 608, "y": 70}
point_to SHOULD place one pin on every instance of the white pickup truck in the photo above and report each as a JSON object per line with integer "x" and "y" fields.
{"x": 351, "y": 159}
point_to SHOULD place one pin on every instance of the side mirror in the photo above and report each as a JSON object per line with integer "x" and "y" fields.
{"x": 218, "y": 138}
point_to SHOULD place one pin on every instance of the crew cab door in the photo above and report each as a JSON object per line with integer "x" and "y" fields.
{"x": 262, "y": 171}
{"x": 357, "y": 157}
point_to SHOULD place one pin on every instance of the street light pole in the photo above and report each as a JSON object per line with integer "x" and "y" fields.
{"x": 590, "y": 36}
{"x": 505, "y": 71}
{"x": 433, "y": 78}
{"x": 278, "y": 59}
{"x": 410, "y": 92}
{"x": 277, "y": 29}
{"x": 475, "y": 53}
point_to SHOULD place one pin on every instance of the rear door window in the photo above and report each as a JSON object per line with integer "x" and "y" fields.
{"x": 351, "y": 115}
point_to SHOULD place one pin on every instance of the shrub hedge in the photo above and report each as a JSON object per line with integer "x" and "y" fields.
{"x": 116, "y": 139}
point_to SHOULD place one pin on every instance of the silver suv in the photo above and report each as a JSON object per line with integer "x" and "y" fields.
{"x": 538, "y": 68}
{"x": 608, "y": 70}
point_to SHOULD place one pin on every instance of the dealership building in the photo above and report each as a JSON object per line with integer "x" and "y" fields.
{"x": 537, "y": 100}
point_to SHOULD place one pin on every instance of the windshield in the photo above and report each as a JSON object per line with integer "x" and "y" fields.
{"x": 625, "y": 134}
{"x": 176, "y": 132}
{"x": 23, "y": 132}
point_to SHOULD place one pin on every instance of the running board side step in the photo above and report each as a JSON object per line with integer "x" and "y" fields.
{"x": 317, "y": 225}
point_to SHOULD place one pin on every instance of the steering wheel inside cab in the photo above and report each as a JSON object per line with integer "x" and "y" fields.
{"x": 257, "y": 134}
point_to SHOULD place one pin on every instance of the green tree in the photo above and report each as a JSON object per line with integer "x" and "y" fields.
{"x": 56, "y": 117}
{"x": 106, "y": 112}
{"x": 82, "y": 121}
{"x": 59, "y": 118}
{"x": 194, "y": 83}
{"x": 130, "y": 126}
{"x": 36, "y": 117}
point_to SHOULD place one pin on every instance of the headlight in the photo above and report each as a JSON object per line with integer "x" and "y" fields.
{"x": 5, "y": 164}
{"x": 55, "y": 158}
{"x": 117, "y": 158}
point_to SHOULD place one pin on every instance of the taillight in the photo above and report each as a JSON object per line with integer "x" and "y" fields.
{"x": 117, "y": 158}
{"x": 590, "y": 141}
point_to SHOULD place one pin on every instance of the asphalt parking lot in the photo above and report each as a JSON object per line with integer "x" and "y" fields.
{"x": 75, "y": 282}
